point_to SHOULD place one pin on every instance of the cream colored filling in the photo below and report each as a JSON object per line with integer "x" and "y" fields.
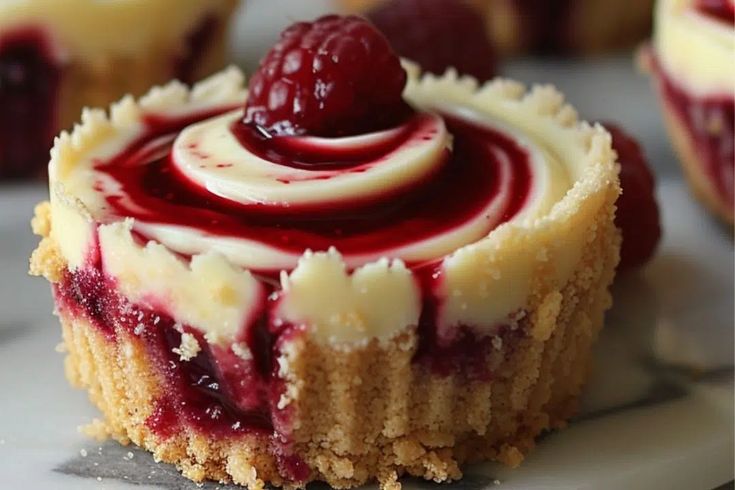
{"x": 486, "y": 278}
{"x": 200, "y": 150}
{"x": 697, "y": 51}
{"x": 211, "y": 157}
{"x": 342, "y": 307}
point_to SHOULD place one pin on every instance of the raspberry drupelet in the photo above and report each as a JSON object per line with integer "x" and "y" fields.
{"x": 336, "y": 76}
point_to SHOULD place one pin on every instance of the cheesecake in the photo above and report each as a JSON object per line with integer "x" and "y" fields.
{"x": 57, "y": 57}
{"x": 346, "y": 270}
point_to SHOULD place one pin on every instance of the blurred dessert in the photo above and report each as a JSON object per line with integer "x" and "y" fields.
{"x": 345, "y": 273}
{"x": 637, "y": 213}
{"x": 437, "y": 35}
{"x": 59, "y": 56}
{"x": 580, "y": 27}
{"x": 692, "y": 63}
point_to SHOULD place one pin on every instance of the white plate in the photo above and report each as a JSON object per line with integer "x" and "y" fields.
{"x": 658, "y": 411}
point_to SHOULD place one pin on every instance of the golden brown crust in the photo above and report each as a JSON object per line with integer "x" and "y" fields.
{"x": 370, "y": 412}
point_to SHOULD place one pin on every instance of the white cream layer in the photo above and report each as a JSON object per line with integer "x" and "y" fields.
{"x": 212, "y": 158}
{"x": 486, "y": 279}
{"x": 694, "y": 49}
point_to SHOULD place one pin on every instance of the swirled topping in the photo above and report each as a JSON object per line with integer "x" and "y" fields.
{"x": 415, "y": 192}
{"x": 263, "y": 184}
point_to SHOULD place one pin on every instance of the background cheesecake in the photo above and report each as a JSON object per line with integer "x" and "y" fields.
{"x": 57, "y": 57}
{"x": 690, "y": 60}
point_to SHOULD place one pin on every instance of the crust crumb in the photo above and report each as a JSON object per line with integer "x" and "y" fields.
{"x": 510, "y": 456}
{"x": 189, "y": 347}
{"x": 96, "y": 429}
{"x": 46, "y": 261}
{"x": 390, "y": 481}
{"x": 41, "y": 221}
{"x": 242, "y": 472}
{"x": 241, "y": 350}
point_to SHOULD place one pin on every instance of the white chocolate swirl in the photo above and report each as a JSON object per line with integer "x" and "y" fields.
{"x": 209, "y": 155}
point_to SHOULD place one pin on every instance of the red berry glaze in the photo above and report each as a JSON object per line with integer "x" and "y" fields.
{"x": 437, "y": 34}
{"x": 336, "y": 76}
{"x": 722, "y": 10}
{"x": 637, "y": 215}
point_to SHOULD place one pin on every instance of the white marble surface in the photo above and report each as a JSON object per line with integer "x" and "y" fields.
{"x": 658, "y": 411}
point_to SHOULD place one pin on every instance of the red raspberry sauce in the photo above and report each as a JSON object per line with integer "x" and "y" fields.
{"x": 710, "y": 122}
{"x": 461, "y": 189}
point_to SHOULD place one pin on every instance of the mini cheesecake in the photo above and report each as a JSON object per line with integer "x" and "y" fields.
{"x": 262, "y": 294}
{"x": 428, "y": 302}
{"x": 59, "y": 56}
{"x": 691, "y": 64}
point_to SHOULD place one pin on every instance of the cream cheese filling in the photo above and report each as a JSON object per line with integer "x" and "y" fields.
{"x": 211, "y": 157}
{"x": 695, "y": 50}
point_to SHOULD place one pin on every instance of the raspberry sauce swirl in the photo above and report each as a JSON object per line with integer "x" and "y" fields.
{"x": 415, "y": 192}
{"x": 720, "y": 10}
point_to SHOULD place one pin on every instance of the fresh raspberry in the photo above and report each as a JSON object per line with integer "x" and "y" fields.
{"x": 437, "y": 34}
{"x": 637, "y": 214}
{"x": 336, "y": 76}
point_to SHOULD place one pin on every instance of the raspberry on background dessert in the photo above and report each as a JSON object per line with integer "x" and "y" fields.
{"x": 691, "y": 64}
{"x": 59, "y": 56}
{"x": 316, "y": 80}
{"x": 437, "y": 35}
{"x": 257, "y": 302}
{"x": 577, "y": 27}
{"x": 637, "y": 213}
